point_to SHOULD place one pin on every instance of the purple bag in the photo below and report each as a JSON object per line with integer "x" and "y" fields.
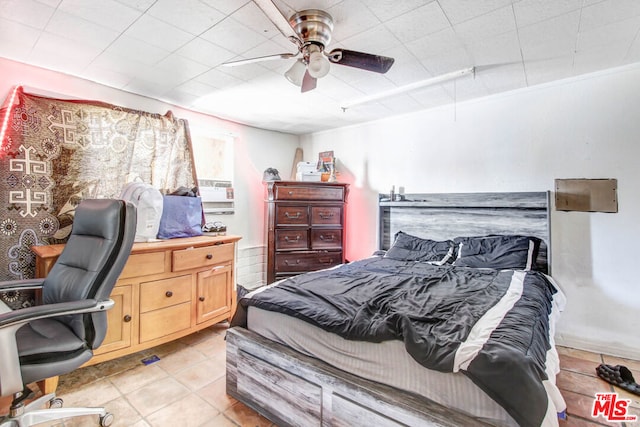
{"x": 181, "y": 217}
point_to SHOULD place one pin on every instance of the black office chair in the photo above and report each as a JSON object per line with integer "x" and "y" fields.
{"x": 59, "y": 335}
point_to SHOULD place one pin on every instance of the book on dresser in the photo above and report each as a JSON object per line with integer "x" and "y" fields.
{"x": 305, "y": 226}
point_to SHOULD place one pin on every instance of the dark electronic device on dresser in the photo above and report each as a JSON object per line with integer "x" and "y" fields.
{"x": 305, "y": 227}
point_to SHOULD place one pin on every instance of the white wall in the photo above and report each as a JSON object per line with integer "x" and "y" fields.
{"x": 587, "y": 127}
{"x": 255, "y": 149}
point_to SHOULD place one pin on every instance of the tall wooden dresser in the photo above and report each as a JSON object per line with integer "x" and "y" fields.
{"x": 305, "y": 227}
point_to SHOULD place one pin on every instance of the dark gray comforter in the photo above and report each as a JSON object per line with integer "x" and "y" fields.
{"x": 433, "y": 310}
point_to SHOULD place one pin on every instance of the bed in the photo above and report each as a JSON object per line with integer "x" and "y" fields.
{"x": 451, "y": 323}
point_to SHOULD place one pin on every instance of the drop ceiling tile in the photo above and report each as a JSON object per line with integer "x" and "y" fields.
{"x": 137, "y": 50}
{"x": 499, "y": 78}
{"x": 205, "y": 52}
{"x": 196, "y": 88}
{"x": 158, "y": 33}
{"x": 619, "y": 34}
{"x": 218, "y": 79}
{"x": 108, "y": 13}
{"x": 599, "y": 58}
{"x": 107, "y": 77}
{"x": 406, "y": 68}
{"x": 375, "y": 40}
{"x": 422, "y": 21}
{"x": 73, "y": 27}
{"x": 227, "y": 7}
{"x": 145, "y": 86}
{"x": 191, "y": 16}
{"x": 488, "y": 25}
{"x": 501, "y": 49}
{"x": 550, "y": 38}
{"x": 350, "y": 17}
{"x": 253, "y": 17}
{"x": 16, "y": 39}
{"x": 544, "y": 71}
{"x": 140, "y": 5}
{"x": 246, "y": 72}
{"x": 234, "y": 36}
{"x": 431, "y": 96}
{"x": 453, "y": 60}
{"x": 177, "y": 97}
{"x": 61, "y": 54}
{"x": 533, "y": 11}
{"x": 387, "y": 9}
{"x": 184, "y": 67}
{"x": 460, "y": 11}
{"x": 28, "y": 12}
{"x": 608, "y": 12}
{"x": 435, "y": 44}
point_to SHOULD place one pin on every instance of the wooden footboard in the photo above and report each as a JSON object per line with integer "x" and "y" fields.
{"x": 292, "y": 389}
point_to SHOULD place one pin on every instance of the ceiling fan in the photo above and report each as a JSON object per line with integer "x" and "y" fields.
{"x": 310, "y": 30}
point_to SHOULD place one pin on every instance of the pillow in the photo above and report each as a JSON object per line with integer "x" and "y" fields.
{"x": 498, "y": 252}
{"x": 406, "y": 247}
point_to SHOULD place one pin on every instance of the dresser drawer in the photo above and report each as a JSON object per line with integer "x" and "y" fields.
{"x": 291, "y": 239}
{"x": 187, "y": 259}
{"x": 326, "y": 239}
{"x": 292, "y": 215}
{"x": 308, "y": 192}
{"x": 308, "y": 261}
{"x": 143, "y": 265}
{"x": 326, "y": 215}
{"x": 160, "y": 323}
{"x": 164, "y": 293}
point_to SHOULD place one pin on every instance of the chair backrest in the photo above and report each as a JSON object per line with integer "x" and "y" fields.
{"x": 101, "y": 237}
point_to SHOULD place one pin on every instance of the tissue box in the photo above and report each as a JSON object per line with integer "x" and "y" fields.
{"x": 306, "y": 171}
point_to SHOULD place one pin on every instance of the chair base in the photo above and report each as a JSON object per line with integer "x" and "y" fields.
{"x": 32, "y": 414}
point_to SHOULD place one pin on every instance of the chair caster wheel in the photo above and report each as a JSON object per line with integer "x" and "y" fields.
{"x": 106, "y": 420}
{"x": 55, "y": 403}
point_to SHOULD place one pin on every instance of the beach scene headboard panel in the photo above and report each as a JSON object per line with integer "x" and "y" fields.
{"x": 441, "y": 216}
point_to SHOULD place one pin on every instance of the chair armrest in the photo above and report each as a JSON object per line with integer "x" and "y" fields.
{"x": 21, "y": 285}
{"x": 26, "y": 315}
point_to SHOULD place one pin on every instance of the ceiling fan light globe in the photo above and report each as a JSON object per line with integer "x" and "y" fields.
{"x": 296, "y": 72}
{"x": 318, "y": 65}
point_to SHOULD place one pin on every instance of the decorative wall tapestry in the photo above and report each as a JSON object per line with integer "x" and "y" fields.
{"x": 54, "y": 153}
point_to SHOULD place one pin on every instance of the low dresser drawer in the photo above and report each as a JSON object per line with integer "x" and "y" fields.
{"x": 143, "y": 265}
{"x": 187, "y": 259}
{"x": 326, "y": 239}
{"x": 164, "y": 293}
{"x": 292, "y": 215}
{"x": 160, "y": 323}
{"x": 315, "y": 192}
{"x": 326, "y": 215}
{"x": 291, "y": 239}
{"x": 308, "y": 261}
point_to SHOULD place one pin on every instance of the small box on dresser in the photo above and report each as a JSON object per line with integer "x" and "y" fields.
{"x": 305, "y": 226}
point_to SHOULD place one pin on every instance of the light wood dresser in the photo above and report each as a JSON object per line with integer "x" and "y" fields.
{"x": 305, "y": 228}
{"x": 168, "y": 289}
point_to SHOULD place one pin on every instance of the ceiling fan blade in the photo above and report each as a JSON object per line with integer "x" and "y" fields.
{"x": 308, "y": 82}
{"x": 365, "y": 61}
{"x": 259, "y": 59}
{"x": 278, "y": 19}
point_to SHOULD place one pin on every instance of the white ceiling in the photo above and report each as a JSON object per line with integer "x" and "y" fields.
{"x": 171, "y": 50}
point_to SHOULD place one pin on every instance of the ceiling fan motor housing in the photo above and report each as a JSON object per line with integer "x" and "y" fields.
{"x": 313, "y": 27}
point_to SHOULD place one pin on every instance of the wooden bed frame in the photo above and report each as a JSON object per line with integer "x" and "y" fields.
{"x": 292, "y": 389}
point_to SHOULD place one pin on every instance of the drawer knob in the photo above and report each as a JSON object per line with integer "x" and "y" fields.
{"x": 286, "y": 238}
{"x": 201, "y": 298}
{"x": 326, "y": 215}
{"x": 290, "y": 193}
{"x": 169, "y": 294}
{"x": 286, "y": 261}
{"x": 325, "y": 260}
{"x": 328, "y": 237}
{"x": 127, "y": 318}
{"x": 288, "y": 215}
{"x": 209, "y": 256}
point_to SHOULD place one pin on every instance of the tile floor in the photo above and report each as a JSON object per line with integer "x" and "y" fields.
{"x": 186, "y": 387}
